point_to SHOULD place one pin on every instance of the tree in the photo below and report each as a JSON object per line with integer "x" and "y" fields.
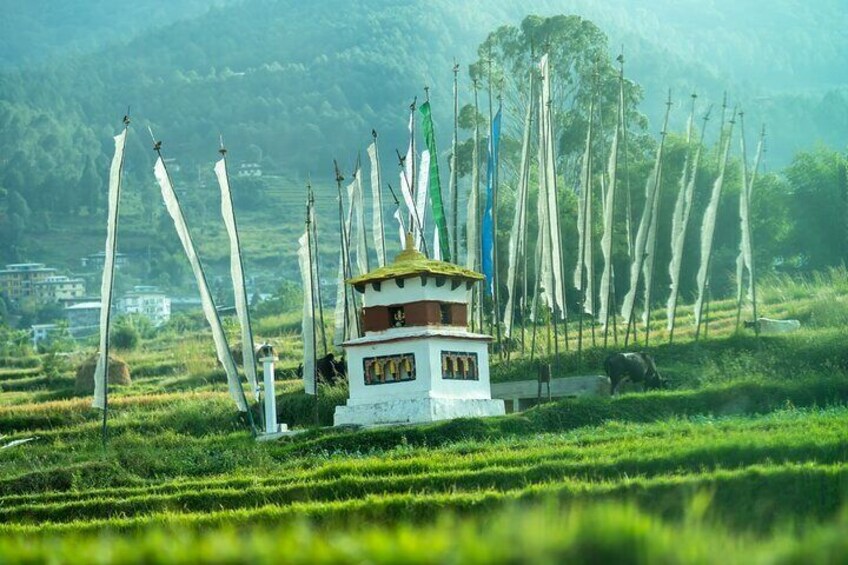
{"x": 580, "y": 68}
{"x": 818, "y": 204}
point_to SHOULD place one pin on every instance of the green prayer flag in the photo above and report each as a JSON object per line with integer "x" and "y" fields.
{"x": 435, "y": 187}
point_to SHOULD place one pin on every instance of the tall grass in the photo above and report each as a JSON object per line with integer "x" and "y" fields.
{"x": 540, "y": 533}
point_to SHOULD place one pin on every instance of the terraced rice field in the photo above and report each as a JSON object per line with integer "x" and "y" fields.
{"x": 743, "y": 460}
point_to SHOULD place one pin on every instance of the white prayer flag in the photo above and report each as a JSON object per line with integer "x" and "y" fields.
{"x": 708, "y": 231}
{"x": 304, "y": 259}
{"x": 237, "y": 276}
{"x": 218, "y": 335}
{"x": 376, "y": 205}
{"x": 100, "y": 376}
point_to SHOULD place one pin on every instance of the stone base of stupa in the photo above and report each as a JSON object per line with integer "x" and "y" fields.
{"x": 416, "y": 411}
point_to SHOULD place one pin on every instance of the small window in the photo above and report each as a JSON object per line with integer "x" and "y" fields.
{"x": 445, "y": 314}
{"x": 397, "y": 317}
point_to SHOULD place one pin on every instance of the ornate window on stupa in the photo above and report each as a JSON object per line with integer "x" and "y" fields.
{"x": 389, "y": 369}
{"x": 459, "y": 366}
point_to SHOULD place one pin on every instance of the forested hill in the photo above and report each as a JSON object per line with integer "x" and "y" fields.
{"x": 38, "y": 30}
{"x": 295, "y": 84}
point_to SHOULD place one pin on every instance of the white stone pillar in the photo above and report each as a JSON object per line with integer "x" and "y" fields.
{"x": 265, "y": 354}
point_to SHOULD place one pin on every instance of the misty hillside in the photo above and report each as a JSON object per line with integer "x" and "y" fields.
{"x": 304, "y": 84}
{"x": 294, "y": 85}
{"x": 37, "y": 30}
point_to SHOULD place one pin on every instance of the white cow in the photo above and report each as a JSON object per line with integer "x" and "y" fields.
{"x": 770, "y": 326}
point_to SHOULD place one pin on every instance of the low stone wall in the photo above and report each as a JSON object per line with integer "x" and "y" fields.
{"x": 521, "y": 395}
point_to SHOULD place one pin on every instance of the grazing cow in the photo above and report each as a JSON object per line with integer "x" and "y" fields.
{"x": 637, "y": 368}
{"x": 769, "y": 326}
{"x": 329, "y": 370}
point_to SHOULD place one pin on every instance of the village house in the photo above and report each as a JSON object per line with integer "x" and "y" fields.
{"x": 59, "y": 288}
{"x": 95, "y": 261}
{"x": 83, "y": 318}
{"x": 148, "y": 301}
{"x": 18, "y": 280}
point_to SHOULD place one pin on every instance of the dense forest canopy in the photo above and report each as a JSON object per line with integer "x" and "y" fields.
{"x": 292, "y": 86}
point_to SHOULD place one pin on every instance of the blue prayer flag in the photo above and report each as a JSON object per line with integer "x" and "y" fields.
{"x": 488, "y": 235}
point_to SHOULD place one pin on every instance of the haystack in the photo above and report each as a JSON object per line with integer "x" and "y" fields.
{"x": 119, "y": 374}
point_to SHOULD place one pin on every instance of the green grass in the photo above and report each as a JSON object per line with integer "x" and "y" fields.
{"x": 538, "y": 533}
{"x": 746, "y": 451}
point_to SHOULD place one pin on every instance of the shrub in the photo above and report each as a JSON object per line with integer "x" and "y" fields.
{"x": 125, "y": 336}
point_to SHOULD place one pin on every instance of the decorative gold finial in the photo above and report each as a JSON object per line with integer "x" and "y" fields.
{"x": 409, "y": 252}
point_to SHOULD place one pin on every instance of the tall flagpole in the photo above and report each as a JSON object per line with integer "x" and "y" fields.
{"x": 478, "y": 239}
{"x": 537, "y": 286}
{"x": 550, "y": 232}
{"x": 312, "y": 284}
{"x": 491, "y": 155}
{"x": 379, "y": 195}
{"x": 747, "y": 257}
{"x": 496, "y": 294}
{"x": 585, "y": 210}
{"x": 413, "y": 182}
{"x": 518, "y": 232}
{"x": 228, "y": 211}
{"x": 656, "y": 222}
{"x": 743, "y": 221}
{"x": 694, "y": 175}
{"x": 751, "y": 232}
{"x": 590, "y": 279}
{"x": 704, "y": 284}
{"x": 723, "y": 117}
{"x": 551, "y": 207}
{"x": 454, "y": 176}
{"x": 357, "y": 175}
{"x": 201, "y": 275}
{"x": 111, "y": 275}
{"x": 629, "y": 215}
{"x": 609, "y": 224}
{"x": 343, "y": 241}
{"x": 558, "y": 232}
{"x": 313, "y": 225}
{"x": 639, "y": 251}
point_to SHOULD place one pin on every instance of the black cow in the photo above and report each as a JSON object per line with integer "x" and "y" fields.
{"x": 634, "y": 367}
{"x": 329, "y": 370}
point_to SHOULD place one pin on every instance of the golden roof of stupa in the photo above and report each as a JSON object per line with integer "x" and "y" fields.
{"x": 412, "y": 263}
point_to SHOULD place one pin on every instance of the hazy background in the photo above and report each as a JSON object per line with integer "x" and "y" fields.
{"x": 292, "y": 85}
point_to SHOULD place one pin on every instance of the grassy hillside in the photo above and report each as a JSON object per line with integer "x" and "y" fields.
{"x": 745, "y": 452}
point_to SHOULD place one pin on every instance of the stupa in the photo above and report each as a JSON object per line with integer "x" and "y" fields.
{"x": 416, "y": 361}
